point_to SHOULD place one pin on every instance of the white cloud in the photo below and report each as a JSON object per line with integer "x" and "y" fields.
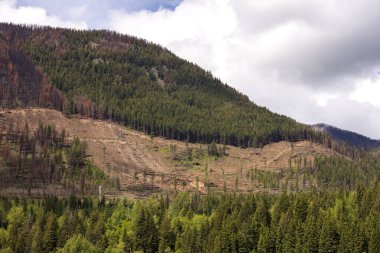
{"x": 305, "y": 59}
{"x": 367, "y": 91}
{"x": 9, "y": 12}
{"x": 311, "y": 60}
{"x": 323, "y": 99}
{"x": 195, "y": 29}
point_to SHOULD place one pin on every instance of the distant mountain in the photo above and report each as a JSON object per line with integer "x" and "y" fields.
{"x": 348, "y": 137}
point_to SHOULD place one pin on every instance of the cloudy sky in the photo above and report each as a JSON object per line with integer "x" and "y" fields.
{"x": 316, "y": 61}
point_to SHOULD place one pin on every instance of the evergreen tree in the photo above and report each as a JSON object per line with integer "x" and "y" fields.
{"x": 64, "y": 230}
{"x": 329, "y": 236}
{"x": 311, "y": 235}
{"x": 50, "y": 236}
{"x": 37, "y": 234}
{"x": 166, "y": 236}
{"x": 145, "y": 231}
{"x": 78, "y": 244}
{"x": 266, "y": 241}
{"x": 16, "y": 218}
{"x": 374, "y": 240}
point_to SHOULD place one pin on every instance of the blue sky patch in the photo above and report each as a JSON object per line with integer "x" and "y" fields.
{"x": 94, "y": 12}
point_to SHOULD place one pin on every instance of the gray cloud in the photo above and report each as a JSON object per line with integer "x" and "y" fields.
{"x": 301, "y": 58}
{"x": 10, "y": 12}
{"x": 330, "y": 40}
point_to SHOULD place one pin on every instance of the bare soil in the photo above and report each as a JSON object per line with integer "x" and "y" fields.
{"x": 145, "y": 165}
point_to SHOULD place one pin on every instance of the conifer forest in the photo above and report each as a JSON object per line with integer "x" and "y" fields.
{"x": 175, "y": 123}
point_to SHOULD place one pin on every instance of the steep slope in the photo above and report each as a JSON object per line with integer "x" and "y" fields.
{"x": 106, "y": 75}
{"x": 40, "y": 160}
{"x": 22, "y": 83}
{"x": 348, "y": 137}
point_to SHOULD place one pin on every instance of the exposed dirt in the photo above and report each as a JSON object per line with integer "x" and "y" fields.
{"x": 145, "y": 165}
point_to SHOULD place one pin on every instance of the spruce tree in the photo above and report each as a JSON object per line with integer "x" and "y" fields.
{"x": 50, "y": 236}
{"x": 329, "y": 236}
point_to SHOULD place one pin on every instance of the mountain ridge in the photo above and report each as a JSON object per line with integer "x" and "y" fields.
{"x": 105, "y": 75}
{"x": 349, "y": 137}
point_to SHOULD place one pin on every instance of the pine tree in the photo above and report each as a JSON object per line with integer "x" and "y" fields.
{"x": 37, "y": 234}
{"x": 266, "y": 242}
{"x": 50, "y": 236}
{"x": 248, "y": 237}
{"x": 145, "y": 231}
{"x": 78, "y": 244}
{"x": 64, "y": 230}
{"x": 289, "y": 243}
{"x": 329, "y": 236}
{"x": 311, "y": 235}
{"x": 374, "y": 240}
{"x": 3, "y": 238}
{"x": 167, "y": 237}
{"x": 262, "y": 215}
{"x": 16, "y": 218}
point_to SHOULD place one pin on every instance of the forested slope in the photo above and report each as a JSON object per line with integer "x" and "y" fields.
{"x": 134, "y": 164}
{"x": 309, "y": 198}
{"x": 349, "y": 137}
{"x": 335, "y": 221}
{"x": 106, "y": 75}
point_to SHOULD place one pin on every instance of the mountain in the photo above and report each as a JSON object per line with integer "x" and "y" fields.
{"x": 92, "y": 122}
{"x": 348, "y": 137}
{"x": 106, "y": 75}
{"x": 72, "y": 102}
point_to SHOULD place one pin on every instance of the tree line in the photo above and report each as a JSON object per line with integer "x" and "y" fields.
{"x": 329, "y": 221}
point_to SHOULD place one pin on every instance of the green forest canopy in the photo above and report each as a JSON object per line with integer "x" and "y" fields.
{"x": 104, "y": 74}
{"x": 334, "y": 221}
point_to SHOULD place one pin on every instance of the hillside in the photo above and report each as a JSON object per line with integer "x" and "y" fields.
{"x": 83, "y": 144}
{"x": 351, "y": 138}
{"x": 126, "y": 162}
{"x": 150, "y": 122}
{"x": 40, "y": 161}
{"x": 105, "y": 75}
{"x": 140, "y": 165}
